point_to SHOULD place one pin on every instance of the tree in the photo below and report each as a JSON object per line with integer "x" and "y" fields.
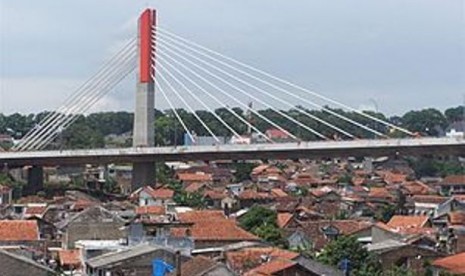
{"x": 455, "y": 114}
{"x": 348, "y": 248}
{"x": 427, "y": 121}
{"x": 242, "y": 171}
{"x": 262, "y": 222}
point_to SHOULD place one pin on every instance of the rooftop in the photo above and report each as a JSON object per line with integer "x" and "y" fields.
{"x": 453, "y": 264}
{"x": 19, "y": 230}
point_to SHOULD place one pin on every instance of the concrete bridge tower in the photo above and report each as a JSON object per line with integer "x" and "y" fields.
{"x": 144, "y": 116}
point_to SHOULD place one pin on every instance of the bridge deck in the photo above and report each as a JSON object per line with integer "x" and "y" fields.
{"x": 416, "y": 146}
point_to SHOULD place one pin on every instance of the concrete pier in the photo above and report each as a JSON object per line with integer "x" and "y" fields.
{"x": 143, "y": 173}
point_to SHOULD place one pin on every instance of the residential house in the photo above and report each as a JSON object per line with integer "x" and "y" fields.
{"x": 269, "y": 175}
{"x": 203, "y": 266}
{"x": 188, "y": 178}
{"x": 298, "y": 267}
{"x": 453, "y": 185}
{"x": 211, "y": 228}
{"x": 410, "y": 224}
{"x": 19, "y": 232}
{"x": 317, "y": 234}
{"x": 325, "y": 194}
{"x": 395, "y": 253}
{"x": 245, "y": 259}
{"x": 412, "y": 188}
{"x": 70, "y": 261}
{"x": 12, "y": 264}
{"x": 212, "y": 174}
{"x": 6, "y": 195}
{"x": 454, "y": 264}
{"x": 283, "y": 219}
{"x": 235, "y": 189}
{"x": 380, "y": 195}
{"x": 213, "y": 198}
{"x": 94, "y": 223}
{"x": 137, "y": 260}
{"x": 250, "y": 197}
{"x": 450, "y": 205}
{"x": 427, "y": 204}
{"x": 196, "y": 187}
{"x": 148, "y": 196}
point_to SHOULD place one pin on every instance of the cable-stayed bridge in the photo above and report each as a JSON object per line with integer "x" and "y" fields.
{"x": 184, "y": 73}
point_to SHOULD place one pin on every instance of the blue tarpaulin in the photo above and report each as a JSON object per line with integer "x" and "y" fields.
{"x": 160, "y": 267}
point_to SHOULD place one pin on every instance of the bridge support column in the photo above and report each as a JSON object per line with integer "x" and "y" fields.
{"x": 144, "y": 115}
{"x": 35, "y": 180}
{"x": 142, "y": 173}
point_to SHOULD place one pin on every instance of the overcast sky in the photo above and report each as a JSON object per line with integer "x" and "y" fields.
{"x": 397, "y": 55}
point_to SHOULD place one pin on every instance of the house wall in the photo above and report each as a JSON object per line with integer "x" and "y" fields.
{"x": 147, "y": 200}
{"x": 140, "y": 265}
{"x": 410, "y": 255}
{"x": 93, "y": 231}
{"x": 380, "y": 235}
{"x": 5, "y": 198}
{"x": 13, "y": 267}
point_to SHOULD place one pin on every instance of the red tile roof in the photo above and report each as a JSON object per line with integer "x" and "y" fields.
{"x": 194, "y": 187}
{"x": 247, "y": 258}
{"x": 70, "y": 257}
{"x": 457, "y": 218}
{"x": 429, "y": 199}
{"x": 19, "y": 230}
{"x": 259, "y": 169}
{"x": 271, "y": 267}
{"x": 251, "y": 194}
{"x": 379, "y": 192}
{"x": 283, "y": 219}
{"x": 215, "y": 194}
{"x": 198, "y": 216}
{"x": 453, "y": 264}
{"x": 196, "y": 266}
{"x": 453, "y": 180}
{"x": 392, "y": 177}
{"x": 407, "y": 222}
{"x": 195, "y": 177}
{"x": 278, "y": 193}
{"x": 313, "y": 229}
{"x": 35, "y": 210}
{"x": 211, "y": 225}
{"x": 150, "y": 210}
{"x": 160, "y": 193}
{"x": 82, "y": 204}
{"x": 417, "y": 188}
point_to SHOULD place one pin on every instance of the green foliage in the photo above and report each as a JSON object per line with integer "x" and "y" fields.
{"x": 429, "y": 166}
{"x": 270, "y": 233}
{"x": 425, "y": 121}
{"x": 262, "y": 222}
{"x": 242, "y": 171}
{"x": 345, "y": 179}
{"x": 183, "y": 198}
{"x": 89, "y": 131}
{"x": 6, "y": 180}
{"x": 163, "y": 173}
{"x": 256, "y": 217}
{"x": 386, "y": 213}
{"x": 455, "y": 114}
{"x": 299, "y": 192}
{"x": 194, "y": 200}
{"x": 398, "y": 271}
{"x": 361, "y": 261}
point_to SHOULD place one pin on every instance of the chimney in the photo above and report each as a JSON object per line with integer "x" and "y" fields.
{"x": 178, "y": 263}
